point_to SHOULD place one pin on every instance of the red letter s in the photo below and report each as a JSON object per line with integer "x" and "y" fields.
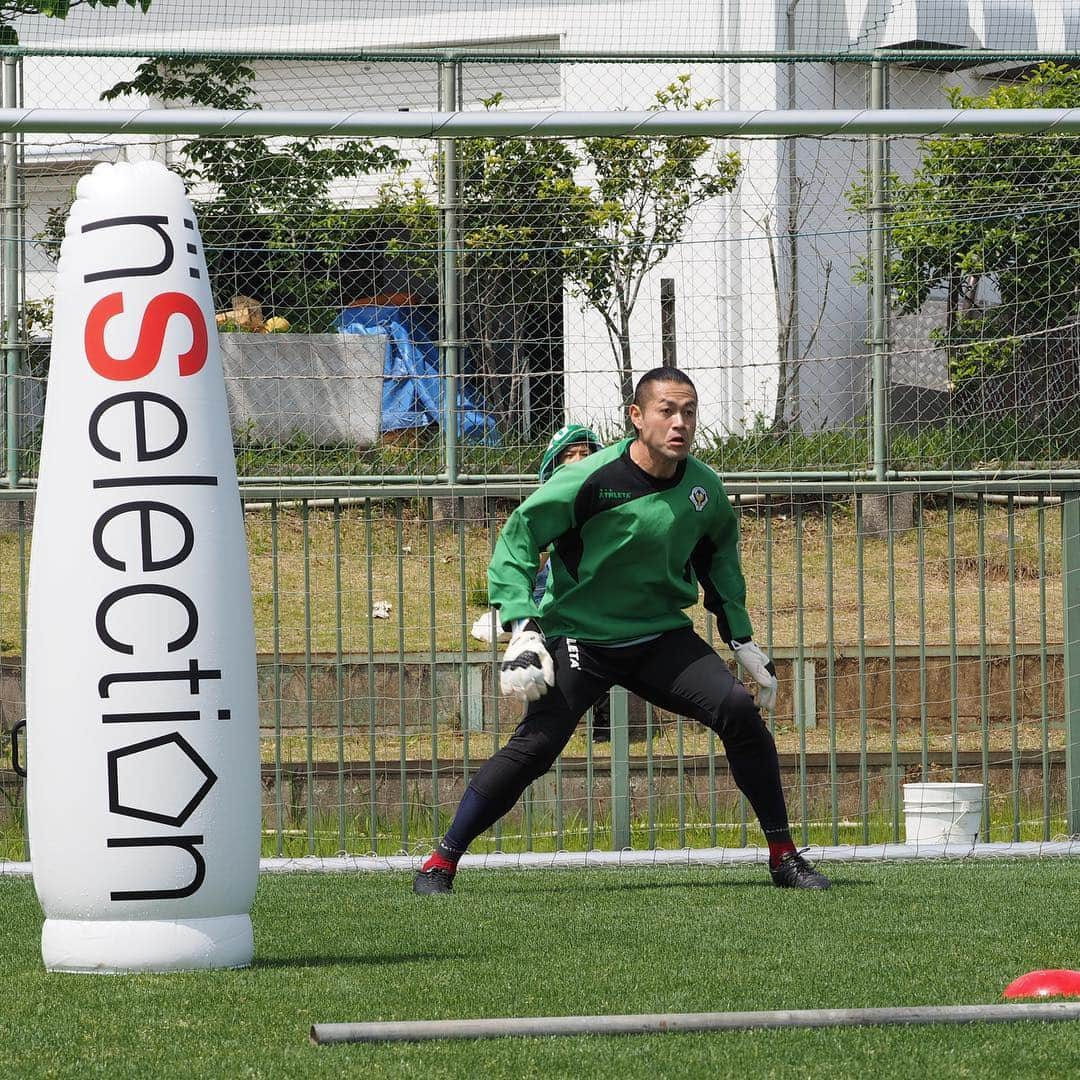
{"x": 151, "y": 336}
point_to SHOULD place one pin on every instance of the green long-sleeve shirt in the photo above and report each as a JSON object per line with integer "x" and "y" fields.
{"x": 628, "y": 551}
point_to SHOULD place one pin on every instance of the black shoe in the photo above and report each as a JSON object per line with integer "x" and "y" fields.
{"x": 794, "y": 872}
{"x": 600, "y": 735}
{"x": 435, "y": 882}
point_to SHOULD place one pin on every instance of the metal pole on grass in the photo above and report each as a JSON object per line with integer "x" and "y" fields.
{"x": 664, "y": 1023}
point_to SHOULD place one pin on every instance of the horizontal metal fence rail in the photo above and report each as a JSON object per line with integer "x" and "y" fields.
{"x": 518, "y": 52}
{"x": 391, "y": 487}
{"x": 710, "y": 123}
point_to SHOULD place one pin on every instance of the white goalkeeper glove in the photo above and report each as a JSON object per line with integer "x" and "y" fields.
{"x": 527, "y": 670}
{"x": 752, "y": 659}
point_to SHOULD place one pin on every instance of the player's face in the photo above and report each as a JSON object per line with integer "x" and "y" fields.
{"x": 577, "y": 452}
{"x": 666, "y": 422}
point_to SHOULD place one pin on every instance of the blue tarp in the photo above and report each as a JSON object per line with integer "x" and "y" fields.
{"x": 412, "y": 391}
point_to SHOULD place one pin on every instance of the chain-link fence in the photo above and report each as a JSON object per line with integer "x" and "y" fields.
{"x": 882, "y": 331}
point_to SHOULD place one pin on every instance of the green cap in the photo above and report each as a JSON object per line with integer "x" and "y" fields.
{"x": 565, "y": 437}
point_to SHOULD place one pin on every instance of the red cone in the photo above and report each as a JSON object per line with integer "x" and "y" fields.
{"x": 1057, "y": 982}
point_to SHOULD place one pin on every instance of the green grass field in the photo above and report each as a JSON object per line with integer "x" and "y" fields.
{"x": 341, "y": 948}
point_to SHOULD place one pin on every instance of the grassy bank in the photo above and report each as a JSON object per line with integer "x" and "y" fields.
{"x": 434, "y": 578}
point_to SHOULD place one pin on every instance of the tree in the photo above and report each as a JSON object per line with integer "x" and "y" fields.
{"x": 10, "y": 10}
{"x": 270, "y": 227}
{"x": 994, "y": 211}
{"x": 640, "y": 201}
{"x": 514, "y": 225}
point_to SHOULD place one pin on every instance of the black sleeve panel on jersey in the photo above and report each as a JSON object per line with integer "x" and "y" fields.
{"x": 570, "y": 548}
{"x": 716, "y": 562}
{"x": 701, "y": 559}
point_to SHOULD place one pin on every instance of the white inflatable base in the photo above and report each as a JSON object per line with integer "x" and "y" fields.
{"x": 117, "y": 946}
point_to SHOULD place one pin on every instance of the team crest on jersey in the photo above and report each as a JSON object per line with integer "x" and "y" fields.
{"x": 699, "y": 497}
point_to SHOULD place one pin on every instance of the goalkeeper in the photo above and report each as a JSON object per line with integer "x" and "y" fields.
{"x": 633, "y": 530}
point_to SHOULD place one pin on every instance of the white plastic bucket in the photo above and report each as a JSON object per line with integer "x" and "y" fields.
{"x": 943, "y": 813}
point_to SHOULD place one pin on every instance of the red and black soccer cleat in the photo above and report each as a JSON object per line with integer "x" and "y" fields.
{"x": 433, "y": 882}
{"x": 794, "y": 872}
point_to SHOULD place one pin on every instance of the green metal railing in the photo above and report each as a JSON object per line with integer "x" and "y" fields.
{"x": 946, "y": 648}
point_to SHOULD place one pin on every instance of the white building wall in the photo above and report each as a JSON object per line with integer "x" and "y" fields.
{"x": 53, "y": 163}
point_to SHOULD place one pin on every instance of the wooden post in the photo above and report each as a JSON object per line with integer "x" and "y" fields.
{"x": 667, "y": 322}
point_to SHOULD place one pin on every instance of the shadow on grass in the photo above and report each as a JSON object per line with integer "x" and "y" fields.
{"x": 525, "y": 888}
{"x": 358, "y": 960}
{"x": 763, "y": 882}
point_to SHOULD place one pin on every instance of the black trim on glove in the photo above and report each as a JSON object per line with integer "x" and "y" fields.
{"x": 530, "y": 624}
{"x": 770, "y": 667}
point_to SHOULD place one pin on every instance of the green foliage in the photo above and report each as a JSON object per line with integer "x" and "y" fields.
{"x": 38, "y": 316}
{"x": 999, "y": 209}
{"x": 969, "y": 355}
{"x": 270, "y": 228}
{"x": 11, "y": 10}
{"x": 636, "y": 210}
{"x": 511, "y": 212}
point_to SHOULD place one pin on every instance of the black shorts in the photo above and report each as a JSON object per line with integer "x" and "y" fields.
{"x": 677, "y": 671}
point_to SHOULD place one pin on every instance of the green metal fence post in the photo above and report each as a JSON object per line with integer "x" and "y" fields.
{"x": 1014, "y": 716}
{"x": 1044, "y": 686}
{"x": 369, "y": 558}
{"x": 275, "y": 593}
{"x": 620, "y": 769}
{"x": 339, "y": 678}
{"x": 879, "y": 309}
{"x": 11, "y": 256}
{"x": 399, "y": 548}
{"x": 799, "y": 705}
{"x": 984, "y": 666}
{"x": 1070, "y": 602}
{"x": 23, "y": 568}
{"x": 830, "y": 672}
{"x": 309, "y": 668}
{"x": 450, "y": 100}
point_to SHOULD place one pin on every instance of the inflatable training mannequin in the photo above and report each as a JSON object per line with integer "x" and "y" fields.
{"x": 142, "y": 710}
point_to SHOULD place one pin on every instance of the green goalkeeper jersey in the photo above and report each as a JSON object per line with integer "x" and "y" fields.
{"x": 628, "y": 552}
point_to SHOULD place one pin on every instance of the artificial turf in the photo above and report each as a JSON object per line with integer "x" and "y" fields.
{"x": 333, "y": 948}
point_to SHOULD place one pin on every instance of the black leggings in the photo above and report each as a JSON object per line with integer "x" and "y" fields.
{"x": 677, "y": 671}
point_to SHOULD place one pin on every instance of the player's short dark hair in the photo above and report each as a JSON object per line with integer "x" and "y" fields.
{"x": 643, "y": 390}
